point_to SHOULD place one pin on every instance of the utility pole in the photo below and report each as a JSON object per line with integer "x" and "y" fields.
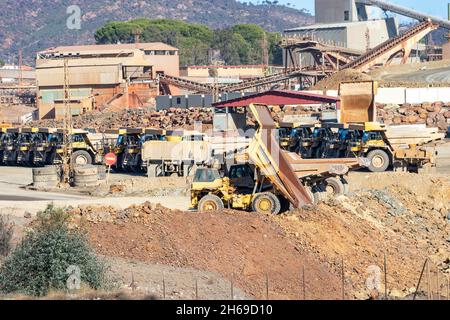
{"x": 265, "y": 51}
{"x": 67, "y": 135}
{"x": 20, "y": 68}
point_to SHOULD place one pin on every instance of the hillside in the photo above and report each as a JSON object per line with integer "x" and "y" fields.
{"x": 37, "y": 24}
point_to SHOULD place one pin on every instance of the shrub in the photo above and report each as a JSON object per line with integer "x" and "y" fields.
{"x": 47, "y": 256}
{"x": 6, "y": 233}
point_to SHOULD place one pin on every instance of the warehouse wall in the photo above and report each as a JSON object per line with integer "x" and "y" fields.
{"x": 327, "y": 11}
{"x": 403, "y": 95}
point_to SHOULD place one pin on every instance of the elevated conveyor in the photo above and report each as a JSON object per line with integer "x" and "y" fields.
{"x": 391, "y": 48}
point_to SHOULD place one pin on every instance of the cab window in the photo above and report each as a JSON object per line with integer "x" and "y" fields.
{"x": 205, "y": 175}
{"x": 240, "y": 172}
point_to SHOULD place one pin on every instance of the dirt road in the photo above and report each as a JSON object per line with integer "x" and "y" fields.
{"x": 425, "y": 76}
{"x": 436, "y": 73}
{"x": 15, "y": 200}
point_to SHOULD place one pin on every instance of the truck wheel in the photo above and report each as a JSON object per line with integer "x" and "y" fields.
{"x": 81, "y": 157}
{"x": 285, "y": 204}
{"x": 210, "y": 202}
{"x": 346, "y": 186}
{"x": 266, "y": 203}
{"x": 334, "y": 187}
{"x": 314, "y": 195}
{"x": 379, "y": 160}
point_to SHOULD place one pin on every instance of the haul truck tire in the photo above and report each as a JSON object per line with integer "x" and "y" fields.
{"x": 314, "y": 195}
{"x": 266, "y": 203}
{"x": 333, "y": 187}
{"x": 81, "y": 157}
{"x": 210, "y": 202}
{"x": 285, "y": 204}
{"x": 379, "y": 160}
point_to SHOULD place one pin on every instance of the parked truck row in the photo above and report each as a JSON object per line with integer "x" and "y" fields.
{"x": 157, "y": 152}
{"x": 46, "y": 146}
{"x": 405, "y": 148}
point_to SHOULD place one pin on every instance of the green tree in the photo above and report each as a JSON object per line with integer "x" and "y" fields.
{"x": 241, "y": 44}
{"x": 233, "y": 47}
{"x": 275, "y": 51}
{"x": 2, "y": 63}
{"x": 46, "y": 254}
{"x": 254, "y": 36}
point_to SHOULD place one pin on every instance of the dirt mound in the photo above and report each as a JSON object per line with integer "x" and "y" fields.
{"x": 332, "y": 82}
{"x": 13, "y": 114}
{"x": 407, "y": 221}
{"x": 403, "y": 216}
{"x": 244, "y": 244}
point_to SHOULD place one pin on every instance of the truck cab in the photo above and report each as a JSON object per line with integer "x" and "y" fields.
{"x": 42, "y": 147}
{"x": 9, "y": 146}
{"x": 25, "y": 142}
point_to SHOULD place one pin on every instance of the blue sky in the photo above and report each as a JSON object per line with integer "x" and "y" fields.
{"x": 434, "y": 7}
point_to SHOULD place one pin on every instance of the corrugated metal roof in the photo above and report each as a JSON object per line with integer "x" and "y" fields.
{"x": 110, "y": 47}
{"x": 322, "y": 26}
{"x": 278, "y": 97}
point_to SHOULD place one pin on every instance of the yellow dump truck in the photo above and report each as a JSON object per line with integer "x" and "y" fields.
{"x": 405, "y": 148}
{"x": 281, "y": 179}
{"x": 85, "y": 147}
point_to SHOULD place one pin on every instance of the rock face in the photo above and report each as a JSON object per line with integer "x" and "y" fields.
{"x": 435, "y": 114}
{"x": 432, "y": 114}
{"x": 137, "y": 118}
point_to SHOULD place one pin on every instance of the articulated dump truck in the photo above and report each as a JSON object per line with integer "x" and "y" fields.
{"x": 276, "y": 179}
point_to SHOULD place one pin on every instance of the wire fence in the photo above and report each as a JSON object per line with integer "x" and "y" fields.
{"x": 432, "y": 284}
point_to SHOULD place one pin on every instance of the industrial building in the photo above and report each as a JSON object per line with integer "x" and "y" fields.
{"x": 12, "y": 74}
{"x": 100, "y": 76}
{"x": 345, "y": 24}
{"x": 239, "y": 72}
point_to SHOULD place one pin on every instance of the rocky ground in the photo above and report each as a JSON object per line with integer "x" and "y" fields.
{"x": 403, "y": 217}
{"x": 137, "y": 118}
{"x": 412, "y": 75}
{"x": 435, "y": 114}
{"x": 432, "y": 114}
